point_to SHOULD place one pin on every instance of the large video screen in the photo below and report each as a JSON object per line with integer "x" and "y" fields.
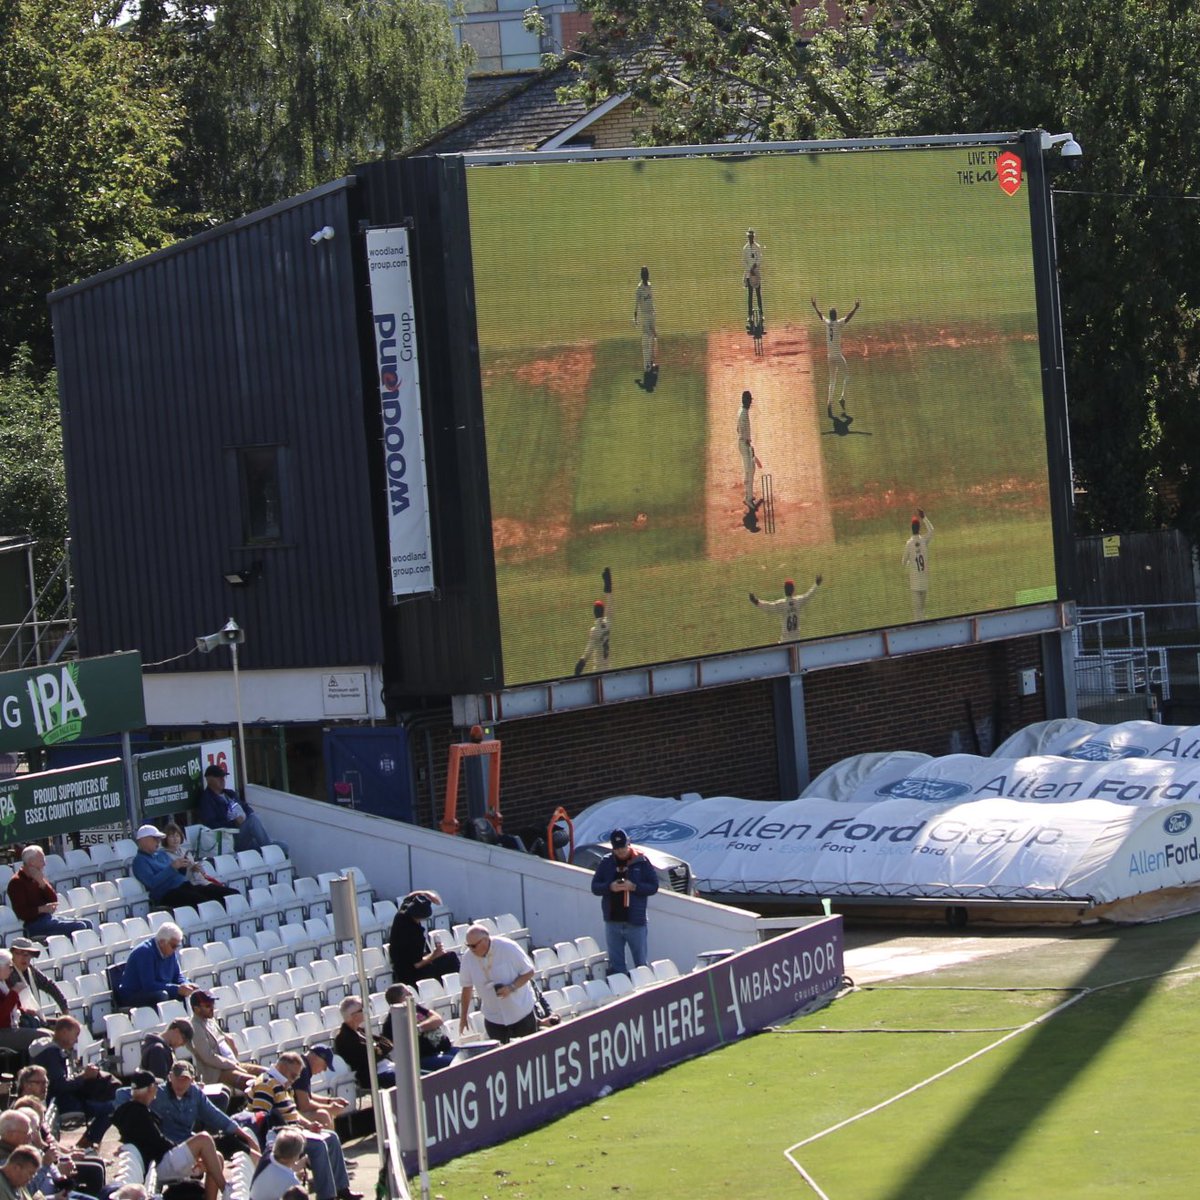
{"x": 704, "y": 416}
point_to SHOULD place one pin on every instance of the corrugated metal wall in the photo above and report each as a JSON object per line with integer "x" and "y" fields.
{"x": 243, "y": 335}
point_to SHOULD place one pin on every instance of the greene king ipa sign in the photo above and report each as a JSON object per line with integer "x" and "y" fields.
{"x": 169, "y": 781}
{"x": 46, "y": 706}
{"x": 34, "y": 806}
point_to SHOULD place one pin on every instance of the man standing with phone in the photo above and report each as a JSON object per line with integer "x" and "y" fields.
{"x": 624, "y": 881}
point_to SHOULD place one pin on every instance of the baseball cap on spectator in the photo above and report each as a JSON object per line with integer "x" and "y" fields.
{"x": 26, "y": 944}
{"x": 619, "y": 839}
{"x": 215, "y": 770}
{"x": 141, "y": 1079}
{"x": 324, "y": 1053}
{"x": 200, "y": 996}
{"x": 148, "y": 831}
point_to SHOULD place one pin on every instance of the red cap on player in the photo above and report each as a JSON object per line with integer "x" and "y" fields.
{"x": 789, "y": 583}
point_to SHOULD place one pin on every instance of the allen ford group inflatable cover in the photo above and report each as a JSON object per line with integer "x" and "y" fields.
{"x": 1115, "y": 815}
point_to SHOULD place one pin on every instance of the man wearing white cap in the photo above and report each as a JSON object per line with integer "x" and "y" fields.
{"x": 165, "y": 877}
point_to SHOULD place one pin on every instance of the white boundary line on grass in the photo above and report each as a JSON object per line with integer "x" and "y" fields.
{"x": 916, "y": 1087}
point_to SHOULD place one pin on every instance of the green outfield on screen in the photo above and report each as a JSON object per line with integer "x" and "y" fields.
{"x": 591, "y": 464}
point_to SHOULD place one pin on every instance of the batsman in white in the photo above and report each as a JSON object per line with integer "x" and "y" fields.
{"x": 596, "y": 652}
{"x": 750, "y": 460}
{"x": 833, "y": 351}
{"x": 788, "y": 607}
{"x": 916, "y": 562}
{"x": 643, "y": 313}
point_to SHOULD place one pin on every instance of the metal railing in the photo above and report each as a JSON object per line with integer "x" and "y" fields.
{"x": 46, "y": 633}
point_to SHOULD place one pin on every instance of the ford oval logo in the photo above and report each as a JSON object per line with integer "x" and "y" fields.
{"x": 1103, "y": 752}
{"x": 1178, "y": 822}
{"x": 656, "y": 833}
{"x": 934, "y": 790}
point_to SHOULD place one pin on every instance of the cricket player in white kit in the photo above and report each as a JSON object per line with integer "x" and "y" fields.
{"x": 916, "y": 562}
{"x": 833, "y": 351}
{"x": 752, "y": 269}
{"x": 788, "y": 607}
{"x": 643, "y": 313}
{"x": 596, "y": 652}
{"x": 746, "y": 449}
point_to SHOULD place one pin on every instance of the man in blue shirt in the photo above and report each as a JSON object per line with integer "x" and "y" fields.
{"x": 220, "y": 808}
{"x": 165, "y": 877}
{"x": 152, "y": 972}
{"x": 184, "y": 1109}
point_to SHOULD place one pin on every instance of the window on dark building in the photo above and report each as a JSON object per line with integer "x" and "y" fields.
{"x": 260, "y": 477}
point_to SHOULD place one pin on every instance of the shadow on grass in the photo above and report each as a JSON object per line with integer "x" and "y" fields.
{"x": 1053, "y": 1056}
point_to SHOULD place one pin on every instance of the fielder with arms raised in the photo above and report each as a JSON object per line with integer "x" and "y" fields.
{"x": 788, "y": 607}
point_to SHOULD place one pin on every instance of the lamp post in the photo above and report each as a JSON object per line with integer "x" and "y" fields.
{"x": 231, "y": 634}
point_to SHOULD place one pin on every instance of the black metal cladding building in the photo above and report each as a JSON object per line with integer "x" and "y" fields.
{"x": 221, "y": 415}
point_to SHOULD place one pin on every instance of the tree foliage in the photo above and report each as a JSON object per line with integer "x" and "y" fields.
{"x": 87, "y": 132}
{"x": 282, "y": 95}
{"x": 33, "y": 498}
{"x": 1123, "y": 75}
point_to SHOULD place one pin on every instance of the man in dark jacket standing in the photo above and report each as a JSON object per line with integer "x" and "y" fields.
{"x": 624, "y": 881}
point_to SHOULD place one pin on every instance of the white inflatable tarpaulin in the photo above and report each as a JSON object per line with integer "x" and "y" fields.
{"x": 1041, "y": 779}
{"x": 1091, "y": 851}
{"x": 1104, "y": 743}
{"x": 843, "y": 778}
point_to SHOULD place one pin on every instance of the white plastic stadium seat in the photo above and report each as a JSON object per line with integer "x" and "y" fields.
{"x": 664, "y": 969}
{"x": 595, "y": 958}
{"x": 282, "y": 995}
{"x": 278, "y": 863}
{"x": 642, "y": 977}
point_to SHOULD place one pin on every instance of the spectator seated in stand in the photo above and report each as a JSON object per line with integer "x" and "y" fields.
{"x": 184, "y": 1109}
{"x": 433, "y": 1043}
{"x": 152, "y": 972}
{"x": 21, "y": 1165}
{"x": 350, "y": 1042}
{"x": 277, "y": 1174}
{"x": 273, "y": 1096}
{"x": 90, "y": 1091}
{"x": 34, "y": 899}
{"x": 158, "y": 1053}
{"x": 165, "y": 876}
{"x": 220, "y": 808}
{"x": 324, "y": 1110}
{"x": 141, "y": 1127}
{"x": 19, "y": 1027}
{"x": 214, "y": 1051}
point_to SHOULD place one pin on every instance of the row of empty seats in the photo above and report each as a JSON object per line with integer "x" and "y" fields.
{"x": 577, "y": 998}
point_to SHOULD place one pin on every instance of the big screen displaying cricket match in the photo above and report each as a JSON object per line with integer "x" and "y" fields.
{"x": 680, "y": 414}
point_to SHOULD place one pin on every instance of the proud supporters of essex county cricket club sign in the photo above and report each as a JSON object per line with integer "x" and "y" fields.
{"x": 64, "y": 702}
{"x": 34, "y": 806}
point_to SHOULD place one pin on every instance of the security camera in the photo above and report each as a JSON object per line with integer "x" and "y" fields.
{"x": 1070, "y": 152}
{"x": 324, "y": 234}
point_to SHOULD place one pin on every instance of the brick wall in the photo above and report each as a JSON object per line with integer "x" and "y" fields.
{"x": 617, "y": 129}
{"x": 722, "y": 742}
{"x": 925, "y": 702}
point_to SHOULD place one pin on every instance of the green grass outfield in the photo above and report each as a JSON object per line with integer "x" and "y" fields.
{"x": 588, "y": 470}
{"x": 1096, "y": 1102}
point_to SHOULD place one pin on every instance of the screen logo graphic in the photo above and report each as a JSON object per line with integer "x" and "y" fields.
{"x": 1008, "y": 173}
